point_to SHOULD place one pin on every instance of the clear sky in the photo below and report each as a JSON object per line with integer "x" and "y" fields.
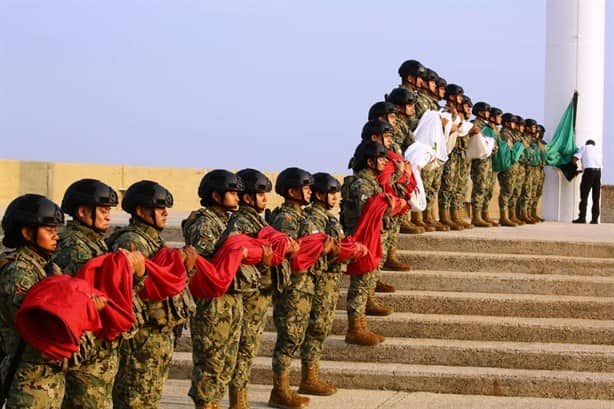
{"x": 232, "y": 84}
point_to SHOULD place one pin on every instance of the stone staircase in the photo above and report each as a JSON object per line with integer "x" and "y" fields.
{"x": 477, "y": 315}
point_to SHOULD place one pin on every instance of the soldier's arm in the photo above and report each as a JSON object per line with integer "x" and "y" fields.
{"x": 70, "y": 256}
{"x": 204, "y": 237}
{"x": 24, "y": 277}
{"x": 286, "y": 224}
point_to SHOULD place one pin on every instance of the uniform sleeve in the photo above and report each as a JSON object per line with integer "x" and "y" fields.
{"x": 286, "y": 224}
{"x": 128, "y": 241}
{"x": 204, "y": 237}
{"x": 23, "y": 278}
{"x": 70, "y": 256}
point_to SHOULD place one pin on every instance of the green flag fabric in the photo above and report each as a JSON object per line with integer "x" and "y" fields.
{"x": 562, "y": 147}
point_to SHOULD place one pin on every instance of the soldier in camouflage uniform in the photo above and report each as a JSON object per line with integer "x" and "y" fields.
{"x": 29, "y": 226}
{"x": 520, "y": 173}
{"x": 481, "y": 170}
{"x": 542, "y": 146}
{"x": 450, "y": 178}
{"x": 529, "y": 184}
{"x": 494, "y": 119}
{"x": 144, "y": 359}
{"x": 403, "y": 137}
{"x": 90, "y": 383}
{"x": 295, "y": 290}
{"x": 253, "y": 283}
{"x": 370, "y": 160}
{"x": 506, "y": 178}
{"x": 216, "y": 326}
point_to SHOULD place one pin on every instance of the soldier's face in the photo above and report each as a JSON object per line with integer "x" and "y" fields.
{"x": 381, "y": 163}
{"x": 467, "y": 109}
{"x": 306, "y": 193}
{"x": 392, "y": 119}
{"x": 230, "y": 200}
{"x": 442, "y": 92}
{"x": 101, "y": 219}
{"x": 513, "y": 125}
{"x": 410, "y": 109}
{"x": 459, "y": 99}
{"x": 44, "y": 237}
{"x": 387, "y": 140}
{"x": 261, "y": 201}
{"x": 433, "y": 87}
{"x": 521, "y": 128}
{"x": 332, "y": 199}
{"x": 160, "y": 214}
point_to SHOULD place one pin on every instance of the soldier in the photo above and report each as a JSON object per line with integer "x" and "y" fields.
{"x": 253, "y": 282}
{"x": 506, "y": 178}
{"x": 403, "y": 137}
{"x": 88, "y": 201}
{"x": 520, "y": 171}
{"x": 531, "y": 162}
{"x": 144, "y": 359}
{"x": 294, "y": 292}
{"x": 370, "y": 160}
{"x": 216, "y": 326}
{"x": 29, "y": 225}
{"x": 542, "y": 146}
{"x": 481, "y": 169}
{"x": 457, "y": 207}
{"x": 452, "y": 168}
{"x": 494, "y": 120}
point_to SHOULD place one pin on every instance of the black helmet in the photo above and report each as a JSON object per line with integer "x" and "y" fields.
{"x": 381, "y": 109}
{"x": 219, "y": 180}
{"x": 411, "y": 67}
{"x": 494, "y": 111}
{"x": 325, "y": 183}
{"x": 375, "y": 127}
{"x": 519, "y": 120}
{"x": 479, "y": 107}
{"x": 467, "y": 100}
{"x": 401, "y": 96}
{"x": 254, "y": 181}
{"x": 441, "y": 82}
{"x": 28, "y": 210}
{"x": 453, "y": 89}
{"x": 292, "y": 177}
{"x": 146, "y": 193}
{"x": 429, "y": 75}
{"x": 508, "y": 117}
{"x": 541, "y": 129}
{"x": 368, "y": 150}
{"x": 88, "y": 192}
{"x": 529, "y": 122}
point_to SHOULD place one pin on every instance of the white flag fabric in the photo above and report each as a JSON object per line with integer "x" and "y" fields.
{"x": 430, "y": 132}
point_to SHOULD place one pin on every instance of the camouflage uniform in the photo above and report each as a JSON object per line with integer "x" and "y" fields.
{"x": 294, "y": 292}
{"x": 356, "y": 190}
{"x": 144, "y": 359}
{"x": 431, "y": 179}
{"x": 326, "y": 276}
{"x": 506, "y": 178}
{"x": 451, "y": 176}
{"x": 464, "y": 167}
{"x": 89, "y": 384}
{"x": 481, "y": 176}
{"x": 38, "y": 383}
{"x": 527, "y": 182}
{"x": 519, "y": 176}
{"x": 253, "y": 284}
{"x": 539, "y": 189}
{"x": 493, "y": 175}
{"x": 216, "y": 327}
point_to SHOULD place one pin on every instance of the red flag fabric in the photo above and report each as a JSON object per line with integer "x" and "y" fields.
{"x": 55, "y": 313}
{"x": 368, "y": 232}
{"x": 385, "y": 180}
{"x": 112, "y": 275}
{"x": 277, "y": 240}
{"x": 166, "y": 275}
{"x": 310, "y": 250}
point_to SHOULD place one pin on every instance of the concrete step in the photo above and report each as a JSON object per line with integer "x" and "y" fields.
{"x": 508, "y": 263}
{"x": 484, "y": 328}
{"x": 511, "y": 305}
{"x": 497, "y": 282}
{"x": 175, "y": 396}
{"x": 453, "y": 352}
{"x": 468, "y": 244}
{"x": 441, "y": 379}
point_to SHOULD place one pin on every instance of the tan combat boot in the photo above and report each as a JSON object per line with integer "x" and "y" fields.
{"x": 431, "y": 220}
{"x": 392, "y": 263}
{"x": 458, "y": 218}
{"x": 237, "y": 398}
{"x": 513, "y": 218}
{"x": 418, "y": 220}
{"x": 535, "y": 216}
{"x": 477, "y": 218}
{"x": 487, "y": 219}
{"x": 504, "y": 220}
{"x": 407, "y": 227}
{"x": 525, "y": 217}
{"x": 359, "y": 334}
{"x": 444, "y": 218}
{"x": 281, "y": 395}
{"x": 312, "y": 384}
{"x": 382, "y": 287}
{"x": 376, "y": 308}
{"x": 215, "y": 405}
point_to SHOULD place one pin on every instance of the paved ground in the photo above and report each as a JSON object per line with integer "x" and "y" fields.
{"x": 175, "y": 397}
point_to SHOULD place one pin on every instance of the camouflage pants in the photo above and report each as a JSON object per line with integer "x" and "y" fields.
{"x": 361, "y": 287}
{"x": 37, "y": 386}
{"x": 518, "y": 183}
{"x": 321, "y": 318}
{"x": 528, "y": 187}
{"x": 491, "y": 189}
{"x": 144, "y": 362}
{"x": 450, "y": 179}
{"x": 90, "y": 385}
{"x": 460, "y": 194}
{"x": 431, "y": 180}
{"x": 255, "y": 305}
{"x": 482, "y": 177}
{"x": 539, "y": 190}
{"x": 388, "y": 238}
{"x": 216, "y": 330}
{"x": 506, "y": 186}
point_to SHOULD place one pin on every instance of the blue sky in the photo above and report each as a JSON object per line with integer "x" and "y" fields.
{"x": 264, "y": 84}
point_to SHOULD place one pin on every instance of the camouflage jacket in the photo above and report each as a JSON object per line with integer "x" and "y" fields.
{"x": 203, "y": 229}
{"x": 161, "y": 314}
{"x": 425, "y": 103}
{"x": 412, "y": 121}
{"x": 77, "y": 245}
{"x": 507, "y": 135}
{"x": 403, "y": 137}
{"x": 247, "y": 221}
{"x": 328, "y": 223}
{"x": 20, "y": 270}
{"x": 355, "y": 192}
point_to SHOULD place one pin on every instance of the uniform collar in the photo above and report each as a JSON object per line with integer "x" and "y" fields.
{"x": 86, "y": 231}
{"x": 145, "y": 228}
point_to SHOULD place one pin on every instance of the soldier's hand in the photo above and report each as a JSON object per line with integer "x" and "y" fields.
{"x": 474, "y": 130}
{"x": 244, "y": 253}
{"x": 390, "y": 200}
{"x": 408, "y": 170}
{"x": 400, "y": 165}
{"x": 267, "y": 255}
{"x": 137, "y": 260}
{"x": 292, "y": 249}
{"x": 328, "y": 245}
{"x": 99, "y": 302}
{"x": 190, "y": 257}
{"x": 360, "y": 251}
{"x": 444, "y": 121}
